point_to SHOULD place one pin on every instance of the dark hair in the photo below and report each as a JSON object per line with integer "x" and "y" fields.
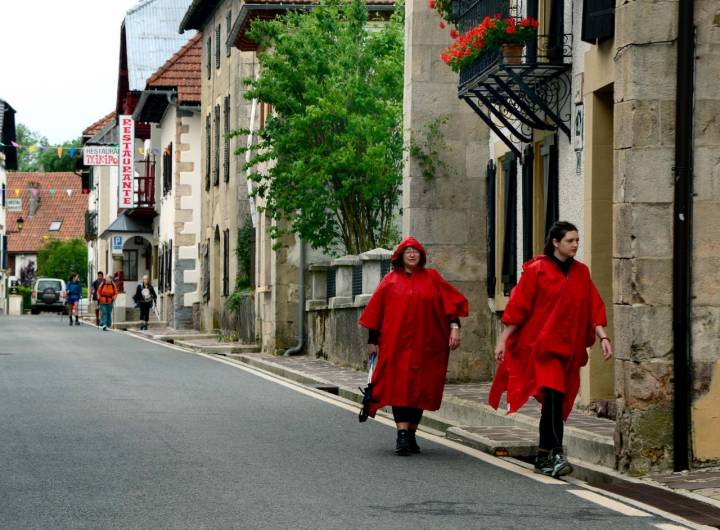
{"x": 557, "y": 232}
{"x": 101, "y": 272}
{"x": 73, "y": 275}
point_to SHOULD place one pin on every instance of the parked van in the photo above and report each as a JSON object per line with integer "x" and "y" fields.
{"x": 48, "y": 294}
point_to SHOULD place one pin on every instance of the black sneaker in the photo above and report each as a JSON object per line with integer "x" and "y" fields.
{"x": 402, "y": 446}
{"x": 71, "y": 321}
{"x": 560, "y": 464}
{"x": 414, "y": 447}
{"x": 543, "y": 463}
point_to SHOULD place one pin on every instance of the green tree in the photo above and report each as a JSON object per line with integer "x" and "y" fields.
{"x": 334, "y": 142}
{"x": 60, "y": 258}
{"x": 45, "y": 157}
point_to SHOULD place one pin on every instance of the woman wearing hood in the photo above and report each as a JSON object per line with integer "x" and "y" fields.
{"x": 552, "y": 317}
{"x": 413, "y": 322}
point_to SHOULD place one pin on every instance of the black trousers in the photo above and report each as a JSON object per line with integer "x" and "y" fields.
{"x": 551, "y": 420}
{"x": 145, "y": 311}
{"x": 407, "y": 415}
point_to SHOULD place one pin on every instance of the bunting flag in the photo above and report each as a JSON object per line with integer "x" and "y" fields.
{"x": 69, "y": 192}
{"x": 59, "y": 152}
{"x": 17, "y": 192}
{"x": 52, "y": 192}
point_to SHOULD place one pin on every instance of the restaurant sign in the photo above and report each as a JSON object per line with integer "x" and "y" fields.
{"x": 126, "y": 191}
{"x": 100, "y": 155}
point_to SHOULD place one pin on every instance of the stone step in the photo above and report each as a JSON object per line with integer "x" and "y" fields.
{"x": 516, "y": 442}
{"x": 215, "y": 347}
{"x": 126, "y": 325}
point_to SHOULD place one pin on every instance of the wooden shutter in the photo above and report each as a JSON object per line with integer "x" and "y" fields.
{"x": 217, "y": 46}
{"x": 216, "y": 166}
{"x": 598, "y": 20}
{"x": 509, "y": 263}
{"x": 549, "y": 152}
{"x": 490, "y": 187}
{"x": 226, "y": 129}
{"x": 527, "y": 202}
{"x": 228, "y": 24}
{"x": 208, "y": 151}
{"x": 208, "y": 57}
{"x": 226, "y": 262}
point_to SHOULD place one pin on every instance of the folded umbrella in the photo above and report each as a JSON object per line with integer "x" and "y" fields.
{"x": 367, "y": 391}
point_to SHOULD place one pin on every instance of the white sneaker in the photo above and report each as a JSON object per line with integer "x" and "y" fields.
{"x": 104, "y": 328}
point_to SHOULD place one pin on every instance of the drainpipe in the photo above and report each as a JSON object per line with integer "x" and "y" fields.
{"x": 301, "y": 304}
{"x": 682, "y": 236}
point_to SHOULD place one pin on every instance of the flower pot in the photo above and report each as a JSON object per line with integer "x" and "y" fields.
{"x": 512, "y": 53}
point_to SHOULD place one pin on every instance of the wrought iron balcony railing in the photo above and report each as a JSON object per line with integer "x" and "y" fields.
{"x": 91, "y": 226}
{"x": 145, "y": 184}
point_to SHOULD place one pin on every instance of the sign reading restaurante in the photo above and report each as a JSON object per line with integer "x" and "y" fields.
{"x": 126, "y": 191}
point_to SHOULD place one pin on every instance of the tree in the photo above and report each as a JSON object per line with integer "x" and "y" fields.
{"x": 58, "y": 259}
{"x": 44, "y": 157}
{"x": 333, "y": 145}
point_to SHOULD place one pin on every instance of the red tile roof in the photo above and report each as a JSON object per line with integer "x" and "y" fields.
{"x": 99, "y": 125}
{"x": 182, "y": 71}
{"x": 57, "y": 206}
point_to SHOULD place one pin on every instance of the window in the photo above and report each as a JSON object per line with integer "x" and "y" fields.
{"x": 217, "y": 46}
{"x": 598, "y": 20}
{"x": 161, "y": 269}
{"x": 3, "y": 252}
{"x": 130, "y": 265}
{"x": 55, "y": 226}
{"x": 216, "y": 167}
{"x": 205, "y": 252}
{"x": 226, "y": 129}
{"x": 2, "y": 195}
{"x": 168, "y": 266}
{"x": 167, "y": 169}
{"x": 490, "y": 182}
{"x": 226, "y": 262}
{"x": 228, "y": 24}
{"x": 550, "y": 173}
{"x": 208, "y": 151}
{"x": 208, "y": 57}
{"x": 509, "y": 256}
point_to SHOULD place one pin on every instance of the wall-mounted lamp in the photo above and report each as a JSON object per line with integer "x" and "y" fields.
{"x": 20, "y": 223}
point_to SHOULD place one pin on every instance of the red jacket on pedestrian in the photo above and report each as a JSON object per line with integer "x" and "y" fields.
{"x": 412, "y": 312}
{"x": 556, "y": 318}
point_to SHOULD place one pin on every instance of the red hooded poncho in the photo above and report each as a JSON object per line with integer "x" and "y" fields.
{"x": 557, "y": 316}
{"x": 412, "y": 312}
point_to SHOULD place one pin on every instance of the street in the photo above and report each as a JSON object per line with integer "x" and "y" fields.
{"x": 104, "y": 430}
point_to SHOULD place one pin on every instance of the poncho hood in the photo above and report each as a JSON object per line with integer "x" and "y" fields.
{"x": 396, "y": 258}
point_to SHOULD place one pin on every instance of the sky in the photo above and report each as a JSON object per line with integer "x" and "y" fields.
{"x": 60, "y": 62}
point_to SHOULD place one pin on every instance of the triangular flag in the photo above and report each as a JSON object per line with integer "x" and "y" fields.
{"x": 17, "y": 192}
{"x": 72, "y": 152}
{"x": 14, "y": 143}
{"x": 34, "y": 191}
{"x": 141, "y": 150}
{"x": 69, "y": 192}
{"x": 59, "y": 152}
{"x": 32, "y": 148}
{"x": 45, "y": 148}
{"x": 52, "y": 191}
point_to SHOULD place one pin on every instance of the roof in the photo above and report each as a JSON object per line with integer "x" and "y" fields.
{"x": 197, "y": 14}
{"x": 151, "y": 37}
{"x": 57, "y": 206}
{"x": 182, "y": 72}
{"x": 99, "y": 125}
{"x": 269, "y": 9}
{"x": 125, "y": 224}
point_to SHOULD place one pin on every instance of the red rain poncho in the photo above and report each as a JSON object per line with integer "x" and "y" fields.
{"x": 412, "y": 312}
{"x": 557, "y": 317}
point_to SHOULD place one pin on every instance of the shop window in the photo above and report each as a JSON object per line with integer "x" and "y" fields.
{"x": 130, "y": 265}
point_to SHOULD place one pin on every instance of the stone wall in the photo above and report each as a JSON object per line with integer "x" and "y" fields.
{"x": 643, "y": 222}
{"x": 447, "y": 213}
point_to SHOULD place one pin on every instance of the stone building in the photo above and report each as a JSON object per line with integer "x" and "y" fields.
{"x": 584, "y": 129}
{"x": 8, "y": 161}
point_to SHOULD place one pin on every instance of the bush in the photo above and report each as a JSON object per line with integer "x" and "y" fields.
{"x": 26, "y": 293}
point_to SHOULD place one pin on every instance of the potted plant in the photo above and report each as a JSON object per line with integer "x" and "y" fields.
{"x": 493, "y": 33}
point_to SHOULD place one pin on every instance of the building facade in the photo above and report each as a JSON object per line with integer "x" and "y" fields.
{"x": 584, "y": 129}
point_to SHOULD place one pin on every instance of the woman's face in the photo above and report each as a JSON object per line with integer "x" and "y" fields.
{"x": 567, "y": 247}
{"x": 411, "y": 257}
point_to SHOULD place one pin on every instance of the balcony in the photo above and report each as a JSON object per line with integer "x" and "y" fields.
{"x": 145, "y": 184}
{"x": 91, "y": 226}
{"x": 515, "y": 99}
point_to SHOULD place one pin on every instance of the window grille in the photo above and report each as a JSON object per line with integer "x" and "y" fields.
{"x": 356, "y": 280}
{"x": 385, "y": 267}
{"x": 217, "y": 47}
{"x": 330, "y": 282}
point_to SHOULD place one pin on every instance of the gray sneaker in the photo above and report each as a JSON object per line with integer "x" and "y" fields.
{"x": 544, "y": 464}
{"x": 560, "y": 464}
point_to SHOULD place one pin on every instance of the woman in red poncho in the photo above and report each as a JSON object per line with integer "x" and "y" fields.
{"x": 413, "y": 324}
{"x": 551, "y": 318}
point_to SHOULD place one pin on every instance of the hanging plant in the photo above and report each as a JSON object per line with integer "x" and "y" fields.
{"x": 444, "y": 9}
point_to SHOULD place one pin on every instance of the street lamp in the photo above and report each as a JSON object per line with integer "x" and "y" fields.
{"x": 20, "y": 223}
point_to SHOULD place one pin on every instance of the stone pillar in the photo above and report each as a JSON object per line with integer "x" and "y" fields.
{"x": 642, "y": 221}
{"x": 343, "y": 281}
{"x": 447, "y": 212}
{"x": 371, "y": 273}
{"x": 318, "y": 286}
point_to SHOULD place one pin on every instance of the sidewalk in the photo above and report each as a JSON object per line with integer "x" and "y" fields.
{"x": 465, "y": 417}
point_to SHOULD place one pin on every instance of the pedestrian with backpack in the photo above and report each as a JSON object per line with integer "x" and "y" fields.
{"x": 145, "y": 297}
{"x": 107, "y": 293}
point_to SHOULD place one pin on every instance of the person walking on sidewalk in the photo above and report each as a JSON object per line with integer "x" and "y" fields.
{"x": 94, "y": 293}
{"x": 106, "y": 297}
{"x": 413, "y": 322}
{"x": 552, "y": 317}
{"x": 74, "y": 294}
{"x": 145, "y": 297}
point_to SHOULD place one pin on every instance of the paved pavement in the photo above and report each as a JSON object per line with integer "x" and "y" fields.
{"x": 103, "y": 430}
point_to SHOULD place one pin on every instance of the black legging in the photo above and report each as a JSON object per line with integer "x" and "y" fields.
{"x": 145, "y": 311}
{"x": 551, "y": 420}
{"x": 407, "y": 415}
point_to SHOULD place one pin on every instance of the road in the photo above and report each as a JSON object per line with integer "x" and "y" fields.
{"x": 104, "y": 430}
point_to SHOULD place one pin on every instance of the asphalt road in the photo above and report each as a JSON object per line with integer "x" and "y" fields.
{"x": 103, "y": 430}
